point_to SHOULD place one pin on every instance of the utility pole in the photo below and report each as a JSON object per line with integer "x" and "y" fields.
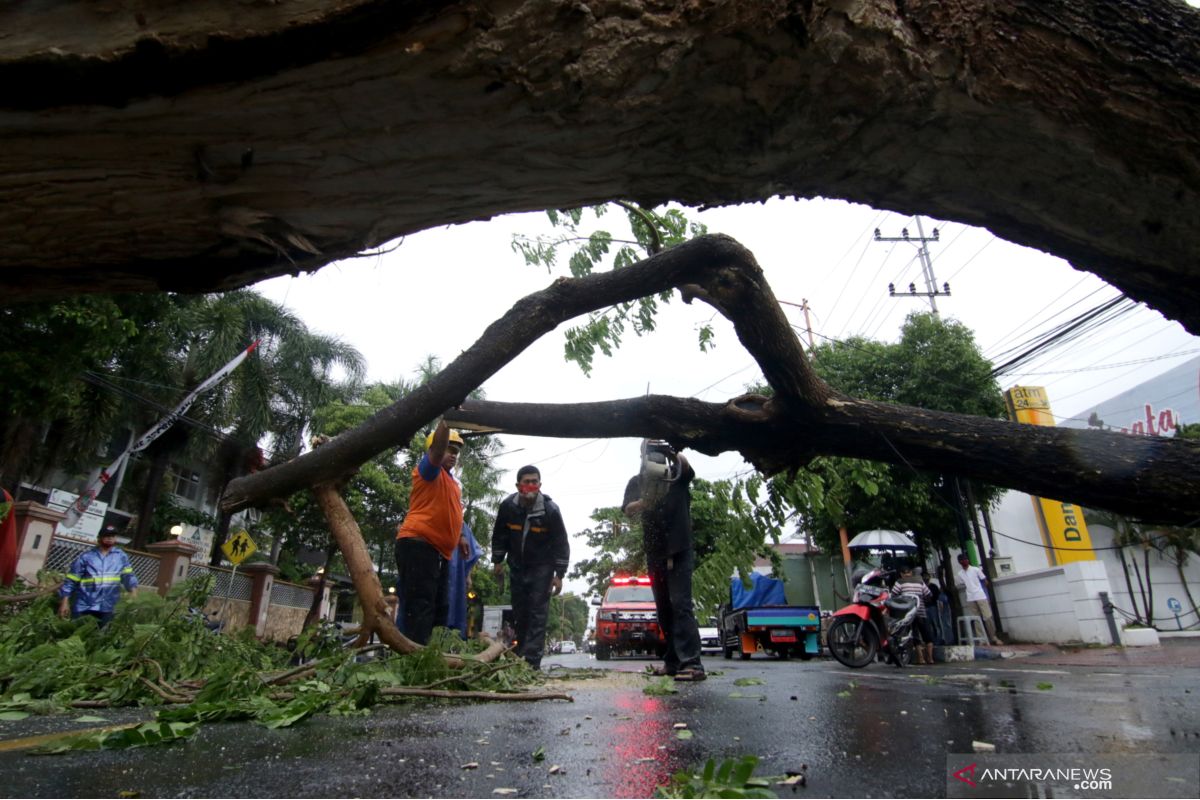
{"x": 807, "y": 322}
{"x": 931, "y": 290}
{"x": 805, "y": 307}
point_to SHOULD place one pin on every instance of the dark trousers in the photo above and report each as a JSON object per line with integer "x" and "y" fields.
{"x": 104, "y": 617}
{"x": 530, "y": 588}
{"x": 423, "y": 596}
{"x": 671, "y": 582}
{"x": 923, "y": 630}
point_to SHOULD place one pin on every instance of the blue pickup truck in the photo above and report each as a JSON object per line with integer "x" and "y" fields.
{"x": 759, "y": 618}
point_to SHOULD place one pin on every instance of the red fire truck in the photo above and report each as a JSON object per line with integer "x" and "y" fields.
{"x": 628, "y": 622}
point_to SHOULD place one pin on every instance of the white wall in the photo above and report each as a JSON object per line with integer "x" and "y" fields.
{"x": 1017, "y": 536}
{"x": 1057, "y": 604}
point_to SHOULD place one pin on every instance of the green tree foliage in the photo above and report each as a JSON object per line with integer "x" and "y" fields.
{"x": 55, "y": 414}
{"x": 648, "y": 231}
{"x": 936, "y": 365}
{"x": 741, "y": 520}
{"x": 617, "y": 542}
{"x": 567, "y": 618}
{"x": 1186, "y": 431}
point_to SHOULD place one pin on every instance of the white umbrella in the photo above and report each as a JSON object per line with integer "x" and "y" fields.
{"x": 883, "y": 540}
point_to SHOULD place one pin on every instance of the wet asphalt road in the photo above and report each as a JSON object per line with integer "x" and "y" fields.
{"x": 877, "y": 732}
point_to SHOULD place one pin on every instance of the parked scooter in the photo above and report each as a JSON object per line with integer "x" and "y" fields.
{"x": 875, "y": 622}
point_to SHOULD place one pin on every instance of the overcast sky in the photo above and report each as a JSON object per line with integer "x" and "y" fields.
{"x": 438, "y": 290}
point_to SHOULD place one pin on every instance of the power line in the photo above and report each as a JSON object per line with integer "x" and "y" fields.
{"x": 1092, "y": 368}
{"x": 849, "y": 278}
{"x": 1102, "y": 314}
{"x": 1031, "y": 324}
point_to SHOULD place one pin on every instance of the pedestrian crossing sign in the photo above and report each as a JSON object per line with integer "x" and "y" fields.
{"x": 239, "y": 547}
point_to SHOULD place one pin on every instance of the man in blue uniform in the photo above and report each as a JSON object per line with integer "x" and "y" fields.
{"x": 93, "y": 583}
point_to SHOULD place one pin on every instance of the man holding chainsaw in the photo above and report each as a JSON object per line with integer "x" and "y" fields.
{"x": 661, "y": 494}
{"x": 530, "y": 534}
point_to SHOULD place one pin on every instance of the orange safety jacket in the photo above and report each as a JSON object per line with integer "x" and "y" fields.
{"x": 435, "y": 512}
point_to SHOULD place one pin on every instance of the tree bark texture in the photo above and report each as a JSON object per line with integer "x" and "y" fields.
{"x": 205, "y": 145}
{"x": 1152, "y": 478}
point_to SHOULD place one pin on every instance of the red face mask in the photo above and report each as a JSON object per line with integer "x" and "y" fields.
{"x": 527, "y": 489}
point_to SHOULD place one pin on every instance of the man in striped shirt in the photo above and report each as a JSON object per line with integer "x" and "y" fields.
{"x": 95, "y": 579}
{"x": 911, "y": 585}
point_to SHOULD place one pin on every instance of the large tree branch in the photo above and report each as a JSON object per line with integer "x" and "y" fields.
{"x": 503, "y": 340}
{"x": 205, "y": 145}
{"x": 1150, "y": 478}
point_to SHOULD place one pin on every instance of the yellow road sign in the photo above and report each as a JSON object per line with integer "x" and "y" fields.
{"x": 239, "y": 547}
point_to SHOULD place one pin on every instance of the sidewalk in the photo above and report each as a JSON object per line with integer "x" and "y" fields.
{"x": 1182, "y": 652}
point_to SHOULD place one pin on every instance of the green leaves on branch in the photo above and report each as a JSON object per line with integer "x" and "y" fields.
{"x": 154, "y": 653}
{"x": 650, "y": 231}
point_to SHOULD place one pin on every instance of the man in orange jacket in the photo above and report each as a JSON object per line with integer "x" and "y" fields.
{"x": 430, "y": 532}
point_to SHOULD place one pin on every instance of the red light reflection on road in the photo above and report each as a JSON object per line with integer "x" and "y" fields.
{"x": 637, "y": 761}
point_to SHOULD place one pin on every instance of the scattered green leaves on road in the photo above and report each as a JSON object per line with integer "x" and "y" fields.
{"x": 1045, "y": 687}
{"x": 661, "y": 686}
{"x": 539, "y": 754}
{"x": 140, "y": 735}
{"x": 731, "y": 778}
{"x": 749, "y": 682}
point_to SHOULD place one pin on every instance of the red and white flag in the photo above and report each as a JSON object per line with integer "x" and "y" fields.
{"x": 75, "y": 512}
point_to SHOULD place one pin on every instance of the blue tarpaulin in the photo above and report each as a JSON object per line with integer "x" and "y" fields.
{"x": 763, "y": 591}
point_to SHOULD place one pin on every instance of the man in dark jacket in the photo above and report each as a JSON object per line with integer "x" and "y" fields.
{"x": 530, "y": 534}
{"x": 665, "y": 505}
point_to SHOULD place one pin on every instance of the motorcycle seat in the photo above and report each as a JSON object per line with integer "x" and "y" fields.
{"x": 901, "y": 604}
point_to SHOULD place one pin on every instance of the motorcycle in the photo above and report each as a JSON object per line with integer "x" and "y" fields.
{"x": 875, "y": 622}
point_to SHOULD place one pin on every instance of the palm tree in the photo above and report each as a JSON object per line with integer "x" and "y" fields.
{"x": 1182, "y": 543}
{"x": 1127, "y": 533}
{"x": 272, "y": 393}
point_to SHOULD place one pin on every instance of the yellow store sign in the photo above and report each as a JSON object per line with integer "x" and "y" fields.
{"x": 1062, "y": 525}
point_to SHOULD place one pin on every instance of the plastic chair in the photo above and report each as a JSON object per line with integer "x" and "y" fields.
{"x": 972, "y": 632}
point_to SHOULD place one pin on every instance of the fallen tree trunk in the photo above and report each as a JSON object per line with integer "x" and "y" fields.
{"x": 1144, "y": 477}
{"x": 207, "y": 145}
